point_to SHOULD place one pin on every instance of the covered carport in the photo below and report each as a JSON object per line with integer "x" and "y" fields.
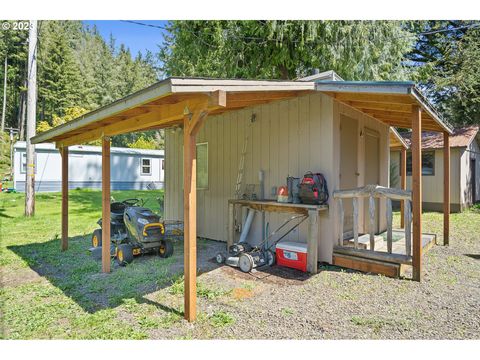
{"x": 187, "y": 102}
{"x": 171, "y": 102}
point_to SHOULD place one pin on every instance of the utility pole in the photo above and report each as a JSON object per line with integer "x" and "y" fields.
{"x": 4, "y": 94}
{"x": 31, "y": 118}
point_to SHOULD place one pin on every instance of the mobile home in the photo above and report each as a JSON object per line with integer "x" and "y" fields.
{"x": 132, "y": 169}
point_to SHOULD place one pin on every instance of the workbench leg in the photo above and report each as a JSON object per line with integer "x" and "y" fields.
{"x": 231, "y": 225}
{"x": 312, "y": 246}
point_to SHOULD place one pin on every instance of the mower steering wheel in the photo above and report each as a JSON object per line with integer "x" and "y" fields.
{"x": 131, "y": 202}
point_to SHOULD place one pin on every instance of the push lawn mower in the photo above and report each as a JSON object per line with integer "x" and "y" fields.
{"x": 247, "y": 257}
{"x": 134, "y": 230}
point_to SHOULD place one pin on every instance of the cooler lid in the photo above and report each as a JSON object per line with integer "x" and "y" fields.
{"x": 292, "y": 246}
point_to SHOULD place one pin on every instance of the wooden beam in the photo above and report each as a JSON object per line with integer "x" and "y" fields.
{"x": 402, "y": 108}
{"x": 163, "y": 116}
{"x": 106, "y": 204}
{"x": 416, "y": 146}
{"x": 312, "y": 242}
{"x": 377, "y": 98}
{"x": 64, "y": 154}
{"x": 196, "y": 122}
{"x": 446, "y": 188}
{"x": 403, "y": 183}
{"x": 366, "y": 265}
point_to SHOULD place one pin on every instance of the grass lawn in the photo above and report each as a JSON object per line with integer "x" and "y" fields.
{"x": 48, "y": 294}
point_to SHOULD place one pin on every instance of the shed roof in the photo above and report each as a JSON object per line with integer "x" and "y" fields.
{"x": 389, "y": 101}
{"x": 163, "y": 105}
{"x": 462, "y": 137}
{"x": 396, "y": 140}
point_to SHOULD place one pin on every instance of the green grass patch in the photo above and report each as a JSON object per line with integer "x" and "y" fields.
{"x": 221, "y": 319}
{"x": 378, "y": 323}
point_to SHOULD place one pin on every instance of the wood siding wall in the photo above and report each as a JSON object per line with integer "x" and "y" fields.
{"x": 287, "y": 138}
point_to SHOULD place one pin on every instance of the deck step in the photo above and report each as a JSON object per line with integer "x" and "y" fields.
{"x": 373, "y": 255}
{"x": 368, "y": 265}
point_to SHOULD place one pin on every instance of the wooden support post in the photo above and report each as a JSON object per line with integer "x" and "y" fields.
{"x": 403, "y": 183}
{"x": 312, "y": 245}
{"x": 341, "y": 221}
{"x": 371, "y": 211}
{"x": 446, "y": 188}
{"x": 408, "y": 227}
{"x": 106, "y": 256}
{"x": 417, "y": 191}
{"x": 64, "y": 154}
{"x": 389, "y": 225}
{"x": 191, "y": 125}
{"x": 231, "y": 225}
{"x": 355, "y": 222}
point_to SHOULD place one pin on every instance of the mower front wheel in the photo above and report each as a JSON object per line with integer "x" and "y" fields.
{"x": 166, "y": 249}
{"x": 124, "y": 254}
{"x": 97, "y": 238}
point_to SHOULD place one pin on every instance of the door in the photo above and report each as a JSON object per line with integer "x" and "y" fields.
{"x": 372, "y": 173}
{"x": 348, "y": 166}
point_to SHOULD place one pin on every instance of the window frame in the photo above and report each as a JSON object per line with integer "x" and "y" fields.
{"x": 24, "y": 154}
{"x": 424, "y": 153}
{"x": 142, "y": 166}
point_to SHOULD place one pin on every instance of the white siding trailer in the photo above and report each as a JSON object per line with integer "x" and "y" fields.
{"x": 131, "y": 169}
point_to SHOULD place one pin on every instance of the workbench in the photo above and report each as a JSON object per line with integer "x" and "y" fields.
{"x": 312, "y": 211}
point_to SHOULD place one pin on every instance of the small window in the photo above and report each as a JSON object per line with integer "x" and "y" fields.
{"x": 202, "y": 166}
{"x": 146, "y": 167}
{"x": 23, "y": 163}
{"x": 428, "y": 163}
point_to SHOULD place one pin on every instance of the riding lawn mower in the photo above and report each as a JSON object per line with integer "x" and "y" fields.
{"x": 134, "y": 230}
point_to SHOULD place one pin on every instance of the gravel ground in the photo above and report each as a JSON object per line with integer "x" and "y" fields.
{"x": 145, "y": 299}
{"x": 340, "y": 304}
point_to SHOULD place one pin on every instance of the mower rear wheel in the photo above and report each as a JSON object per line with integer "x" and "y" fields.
{"x": 245, "y": 262}
{"x": 166, "y": 249}
{"x": 97, "y": 238}
{"x": 124, "y": 254}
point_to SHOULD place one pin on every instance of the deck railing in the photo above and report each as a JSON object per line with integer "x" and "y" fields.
{"x": 373, "y": 192}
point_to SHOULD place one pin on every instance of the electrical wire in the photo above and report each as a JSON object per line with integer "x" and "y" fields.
{"x": 473, "y": 25}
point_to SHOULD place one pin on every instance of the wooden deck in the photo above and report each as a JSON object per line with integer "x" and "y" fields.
{"x": 398, "y": 246}
{"x": 380, "y": 261}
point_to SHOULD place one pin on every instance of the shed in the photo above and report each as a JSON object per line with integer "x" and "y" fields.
{"x": 464, "y": 170}
{"x": 132, "y": 169}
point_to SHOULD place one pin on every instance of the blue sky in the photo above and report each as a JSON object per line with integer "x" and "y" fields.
{"x": 136, "y": 37}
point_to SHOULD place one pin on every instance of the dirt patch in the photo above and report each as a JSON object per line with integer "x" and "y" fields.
{"x": 241, "y": 293}
{"x": 269, "y": 275}
{"x": 19, "y": 277}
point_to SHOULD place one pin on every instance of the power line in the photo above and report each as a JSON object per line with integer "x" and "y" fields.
{"x": 264, "y": 40}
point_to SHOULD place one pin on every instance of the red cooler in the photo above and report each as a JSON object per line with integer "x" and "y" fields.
{"x": 292, "y": 254}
